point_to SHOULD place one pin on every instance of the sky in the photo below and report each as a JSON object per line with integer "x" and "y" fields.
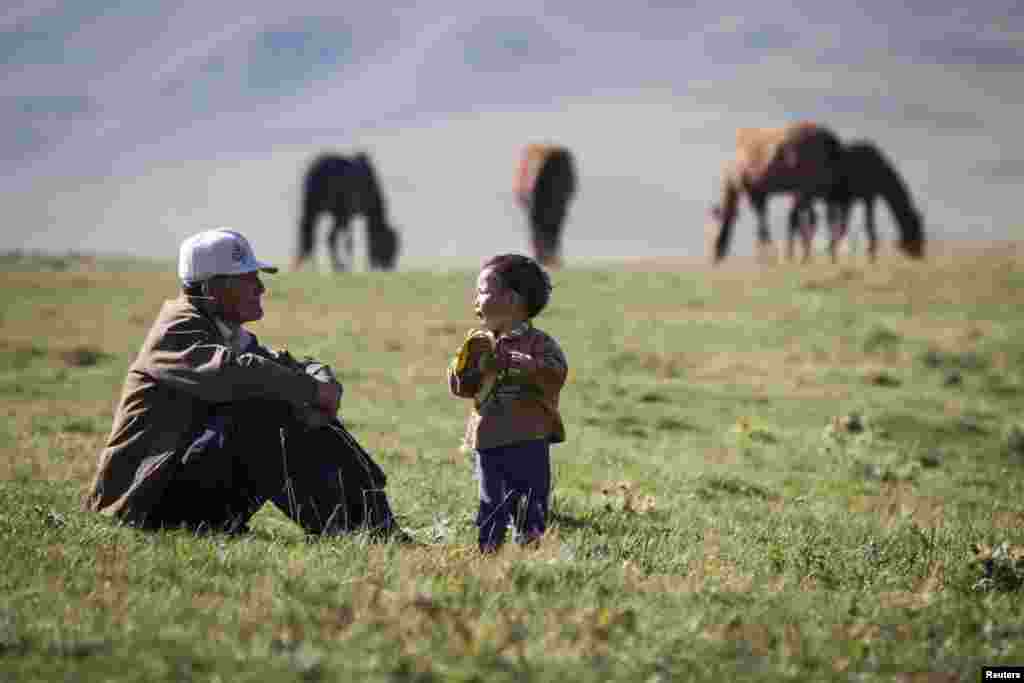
{"x": 129, "y": 126}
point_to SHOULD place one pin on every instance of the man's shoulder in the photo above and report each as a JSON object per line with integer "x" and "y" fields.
{"x": 179, "y": 316}
{"x": 180, "y": 307}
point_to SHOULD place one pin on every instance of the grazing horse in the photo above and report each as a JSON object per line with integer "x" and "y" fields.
{"x": 545, "y": 184}
{"x": 343, "y": 187}
{"x": 865, "y": 175}
{"x": 800, "y": 159}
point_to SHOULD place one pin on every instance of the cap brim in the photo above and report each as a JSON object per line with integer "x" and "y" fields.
{"x": 260, "y": 266}
{"x": 251, "y": 267}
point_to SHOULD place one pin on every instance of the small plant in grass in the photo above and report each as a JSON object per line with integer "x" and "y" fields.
{"x": 1013, "y": 441}
{"x": 853, "y": 439}
{"x": 1002, "y": 567}
{"x": 625, "y": 496}
{"x": 880, "y": 338}
{"x": 749, "y": 431}
{"x": 83, "y": 356}
{"x": 844, "y": 431}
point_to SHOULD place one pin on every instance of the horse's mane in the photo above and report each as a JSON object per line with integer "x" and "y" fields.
{"x": 867, "y": 171}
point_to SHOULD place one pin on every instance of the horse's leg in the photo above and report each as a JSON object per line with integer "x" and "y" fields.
{"x": 307, "y": 228}
{"x": 373, "y": 244}
{"x": 541, "y": 215}
{"x": 723, "y": 217}
{"x": 554, "y": 229}
{"x": 348, "y": 244}
{"x": 802, "y": 223}
{"x": 341, "y": 224}
{"x": 802, "y": 220}
{"x": 808, "y": 226}
{"x": 869, "y": 228}
{"x": 838, "y": 220}
{"x": 764, "y": 237}
{"x": 793, "y": 225}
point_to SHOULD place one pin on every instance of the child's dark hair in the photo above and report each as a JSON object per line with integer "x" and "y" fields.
{"x": 525, "y": 277}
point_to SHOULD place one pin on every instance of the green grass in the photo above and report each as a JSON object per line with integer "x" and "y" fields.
{"x": 775, "y": 474}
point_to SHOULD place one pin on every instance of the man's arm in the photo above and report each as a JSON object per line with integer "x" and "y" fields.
{"x": 191, "y": 357}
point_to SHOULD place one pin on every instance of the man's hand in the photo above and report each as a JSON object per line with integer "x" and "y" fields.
{"x": 328, "y": 396}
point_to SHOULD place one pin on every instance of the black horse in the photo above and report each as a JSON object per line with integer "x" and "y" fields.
{"x": 866, "y": 175}
{"x": 545, "y": 185}
{"x": 344, "y": 187}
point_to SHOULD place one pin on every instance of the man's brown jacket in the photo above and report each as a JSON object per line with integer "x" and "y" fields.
{"x": 184, "y": 369}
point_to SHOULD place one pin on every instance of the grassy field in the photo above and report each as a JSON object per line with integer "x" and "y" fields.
{"x": 788, "y": 473}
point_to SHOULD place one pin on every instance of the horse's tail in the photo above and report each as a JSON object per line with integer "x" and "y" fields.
{"x": 557, "y": 175}
{"x": 723, "y": 213}
{"x": 314, "y": 196}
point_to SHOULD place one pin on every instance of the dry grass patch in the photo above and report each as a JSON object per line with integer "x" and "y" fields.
{"x": 922, "y": 594}
{"x": 625, "y": 496}
{"x": 1006, "y": 519}
{"x": 709, "y": 571}
{"x": 419, "y": 623}
{"x": 757, "y": 637}
{"x": 897, "y": 502}
{"x": 927, "y": 677}
{"x": 868, "y": 632}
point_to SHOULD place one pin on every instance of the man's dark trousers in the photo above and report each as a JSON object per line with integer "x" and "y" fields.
{"x": 254, "y": 451}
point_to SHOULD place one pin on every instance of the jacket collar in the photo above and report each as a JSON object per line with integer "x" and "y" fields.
{"x": 519, "y": 330}
{"x": 235, "y": 336}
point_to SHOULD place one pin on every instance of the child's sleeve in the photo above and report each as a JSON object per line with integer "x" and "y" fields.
{"x": 552, "y": 367}
{"x": 464, "y": 383}
{"x": 464, "y": 374}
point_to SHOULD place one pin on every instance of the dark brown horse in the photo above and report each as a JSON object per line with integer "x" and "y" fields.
{"x": 866, "y": 174}
{"x": 800, "y": 159}
{"x": 545, "y": 185}
{"x": 344, "y": 187}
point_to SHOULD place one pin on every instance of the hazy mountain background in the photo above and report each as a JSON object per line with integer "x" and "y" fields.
{"x": 128, "y": 126}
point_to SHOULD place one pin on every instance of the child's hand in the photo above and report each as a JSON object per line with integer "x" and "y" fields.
{"x": 516, "y": 361}
{"x": 488, "y": 362}
{"x": 521, "y": 361}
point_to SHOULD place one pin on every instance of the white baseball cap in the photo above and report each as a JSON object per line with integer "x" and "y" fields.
{"x": 217, "y": 252}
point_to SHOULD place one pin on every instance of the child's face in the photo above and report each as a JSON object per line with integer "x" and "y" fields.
{"x": 497, "y": 306}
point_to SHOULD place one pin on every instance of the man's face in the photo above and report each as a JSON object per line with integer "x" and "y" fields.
{"x": 238, "y": 297}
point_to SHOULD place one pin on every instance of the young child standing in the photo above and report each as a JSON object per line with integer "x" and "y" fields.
{"x": 515, "y": 375}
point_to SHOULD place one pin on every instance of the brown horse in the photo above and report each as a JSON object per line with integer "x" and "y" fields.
{"x": 544, "y": 186}
{"x": 800, "y": 159}
{"x": 865, "y": 175}
{"x": 344, "y": 187}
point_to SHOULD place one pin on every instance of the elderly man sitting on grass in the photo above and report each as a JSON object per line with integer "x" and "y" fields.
{"x": 211, "y": 424}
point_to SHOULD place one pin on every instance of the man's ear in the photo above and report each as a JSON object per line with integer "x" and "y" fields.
{"x": 214, "y": 287}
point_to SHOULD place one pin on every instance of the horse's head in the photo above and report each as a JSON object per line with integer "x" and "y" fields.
{"x": 912, "y": 237}
{"x": 383, "y": 246}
